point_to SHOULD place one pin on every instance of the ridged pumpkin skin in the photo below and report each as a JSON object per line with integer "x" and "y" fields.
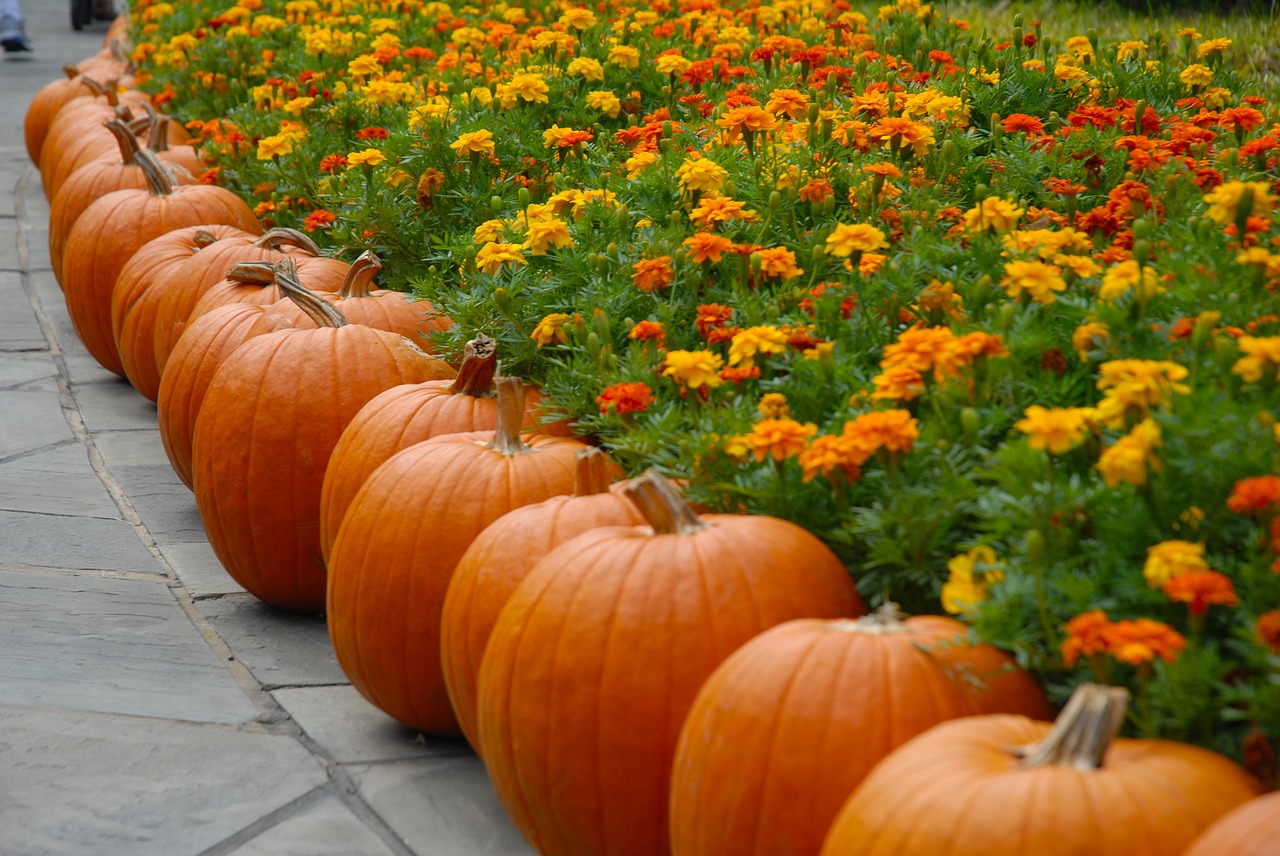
{"x": 272, "y": 415}
{"x": 786, "y": 729}
{"x": 959, "y": 789}
{"x": 396, "y": 551}
{"x": 141, "y": 287}
{"x": 112, "y": 229}
{"x": 495, "y": 563}
{"x": 598, "y": 655}
{"x": 1253, "y": 829}
{"x": 46, "y": 103}
{"x": 404, "y": 415}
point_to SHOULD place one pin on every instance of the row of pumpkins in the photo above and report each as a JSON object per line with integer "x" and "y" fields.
{"x": 638, "y": 678}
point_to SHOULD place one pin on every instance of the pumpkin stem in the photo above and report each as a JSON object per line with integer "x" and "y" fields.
{"x": 125, "y": 138}
{"x": 479, "y": 364}
{"x": 506, "y": 437}
{"x": 71, "y": 72}
{"x": 324, "y": 314}
{"x": 94, "y": 85}
{"x": 278, "y": 238}
{"x": 359, "y": 279}
{"x": 663, "y": 506}
{"x": 1083, "y": 731}
{"x": 592, "y": 472}
{"x": 203, "y": 238}
{"x": 252, "y": 273}
{"x": 887, "y": 619}
{"x": 159, "y": 181}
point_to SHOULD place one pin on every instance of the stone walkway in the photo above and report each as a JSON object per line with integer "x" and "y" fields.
{"x": 147, "y": 704}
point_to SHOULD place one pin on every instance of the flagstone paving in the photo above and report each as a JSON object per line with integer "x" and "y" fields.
{"x": 147, "y": 704}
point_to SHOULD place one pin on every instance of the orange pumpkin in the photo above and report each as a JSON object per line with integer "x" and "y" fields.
{"x": 503, "y": 555}
{"x": 403, "y": 535}
{"x": 46, "y": 103}
{"x": 112, "y": 229}
{"x": 1253, "y": 829}
{"x": 597, "y": 657}
{"x": 405, "y": 415}
{"x": 1009, "y": 784}
{"x": 273, "y": 413}
{"x": 785, "y": 730}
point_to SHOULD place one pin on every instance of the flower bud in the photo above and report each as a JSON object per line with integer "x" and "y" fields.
{"x": 524, "y": 196}
{"x": 1033, "y": 544}
{"x": 495, "y": 204}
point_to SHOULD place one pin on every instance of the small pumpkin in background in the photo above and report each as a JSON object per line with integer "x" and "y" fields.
{"x": 971, "y": 786}
{"x": 785, "y": 730}
{"x": 397, "y": 311}
{"x": 77, "y": 135}
{"x": 504, "y": 554}
{"x": 272, "y": 415}
{"x": 1253, "y": 829}
{"x": 401, "y": 539}
{"x": 46, "y": 103}
{"x": 405, "y": 415}
{"x": 598, "y": 655}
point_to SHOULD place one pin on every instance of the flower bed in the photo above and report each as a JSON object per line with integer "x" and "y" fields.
{"x": 991, "y": 314}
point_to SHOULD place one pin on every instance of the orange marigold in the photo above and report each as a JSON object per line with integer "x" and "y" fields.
{"x": 1255, "y": 494}
{"x": 1086, "y": 635}
{"x": 1141, "y": 640}
{"x": 832, "y": 455}
{"x": 652, "y": 274}
{"x": 648, "y": 331}
{"x": 892, "y": 430}
{"x": 779, "y": 438}
{"x": 1199, "y": 589}
{"x": 712, "y": 316}
{"x": 707, "y": 247}
{"x": 1268, "y": 628}
{"x": 625, "y": 398}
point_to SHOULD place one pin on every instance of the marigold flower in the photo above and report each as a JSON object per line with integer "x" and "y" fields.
{"x": 318, "y": 219}
{"x": 845, "y": 240}
{"x": 1022, "y": 123}
{"x": 1268, "y": 630}
{"x": 1261, "y": 357}
{"x": 899, "y": 130}
{"x": 1131, "y": 49}
{"x": 895, "y": 431}
{"x": 992, "y": 213}
{"x": 898, "y": 383}
{"x": 920, "y": 348}
{"x": 277, "y": 145}
{"x": 719, "y": 209}
{"x": 648, "y": 331}
{"x": 1086, "y": 635}
{"x": 586, "y": 68}
{"x": 367, "y": 157}
{"x": 1200, "y": 589}
{"x": 707, "y": 247}
{"x": 748, "y": 343}
{"x": 1212, "y": 46}
{"x": 1037, "y": 279}
{"x": 1126, "y": 275}
{"x": 1133, "y": 387}
{"x": 652, "y": 274}
{"x": 1169, "y": 559}
{"x": 773, "y": 405}
{"x": 1129, "y": 458}
{"x": 1055, "y": 429}
{"x": 712, "y": 316}
{"x": 672, "y": 64}
{"x": 702, "y": 175}
{"x": 550, "y": 330}
{"x": 606, "y": 102}
{"x": 778, "y": 263}
{"x": 693, "y": 369}
{"x": 750, "y": 117}
{"x": 1142, "y": 640}
{"x": 478, "y": 143}
{"x": 1225, "y": 199}
{"x": 548, "y": 233}
{"x": 494, "y": 255}
{"x": 529, "y": 87}
{"x": 779, "y": 439}
{"x": 623, "y": 398}
{"x": 1196, "y": 75}
{"x": 971, "y": 573}
{"x": 793, "y": 104}
{"x": 1254, "y": 495}
{"x": 831, "y": 454}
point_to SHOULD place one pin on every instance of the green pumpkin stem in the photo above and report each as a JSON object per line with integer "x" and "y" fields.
{"x": 280, "y": 237}
{"x": 159, "y": 181}
{"x": 125, "y": 138}
{"x": 506, "y": 437}
{"x": 324, "y": 314}
{"x": 1083, "y": 731}
{"x": 359, "y": 279}
{"x": 592, "y": 472}
{"x": 663, "y": 506}
{"x": 479, "y": 365}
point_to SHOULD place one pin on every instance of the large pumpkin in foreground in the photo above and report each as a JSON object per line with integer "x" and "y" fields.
{"x": 596, "y": 659}
{"x": 1007, "y": 784}
{"x": 272, "y": 415}
{"x": 787, "y": 728}
{"x": 1253, "y": 829}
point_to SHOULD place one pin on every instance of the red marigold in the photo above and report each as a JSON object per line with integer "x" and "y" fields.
{"x": 737, "y": 374}
{"x": 318, "y": 219}
{"x": 333, "y": 163}
{"x": 1253, "y": 495}
{"x": 625, "y": 398}
{"x": 1022, "y": 123}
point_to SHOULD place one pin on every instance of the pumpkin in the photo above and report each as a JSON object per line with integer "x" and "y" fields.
{"x": 141, "y": 287}
{"x": 1253, "y": 829}
{"x": 77, "y": 135}
{"x": 273, "y": 413}
{"x": 403, "y": 535}
{"x": 112, "y": 229}
{"x": 789, "y": 725}
{"x": 405, "y": 415}
{"x": 46, "y": 103}
{"x": 166, "y": 137}
{"x": 1011, "y": 784}
{"x": 597, "y": 657}
{"x": 175, "y": 307}
{"x": 503, "y": 555}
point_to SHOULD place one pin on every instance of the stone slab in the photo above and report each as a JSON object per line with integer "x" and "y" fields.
{"x": 18, "y": 370}
{"x": 58, "y": 481}
{"x": 280, "y": 649}
{"x": 74, "y": 783}
{"x": 113, "y": 406}
{"x": 441, "y": 807}
{"x": 351, "y": 729}
{"x": 327, "y": 828}
{"x": 73, "y": 543}
{"x": 166, "y": 505}
{"x": 198, "y": 568}
{"x": 30, "y": 419}
{"x": 111, "y": 646}
{"x": 19, "y": 329}
{"x": 131, "y": 448}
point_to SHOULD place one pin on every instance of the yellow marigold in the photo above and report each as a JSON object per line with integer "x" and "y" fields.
{"x": 277, "y": 145}
{"x": 624, "y": 56}
{"x": 779, "y": 439}
{"x": 845, "y": 240}
{"x": 297, "y": 105}
{"x": 474, "y": 142}
{"x": 702, "y": 175}
{"x": 367, "y": 157}
{"x": 1088, "y": 337}
{"x": 693, "y": 369}
{"x": 773, "y": 405}
{"x": 489, "y": 230}
{"x": 1131, "y": 49}
{"x": 834, "y": 457}
{"x": 1129, "y": 458}
{"x": 971, "y": 573}
{"x": 606, "y": 102}
{"x": 747, "y": 344}
{"x": 578, "y": 18}
{"x": 1037, "y": 279}
{"x": 494, "y": 255}
{"x": 586, "y": 68}
{"x": 1126, "y": 275}
{"x": 778, "y": 263}
{"x": 1212, "y": 46}
{"x": 550, "y": 330}
{"x": 1196, "y": 75}
{"x": 639, "y": 162}
{"x": 529, "y": 87}
{"x": 1225, "y": 200}
{"x": 1261, "y": 357}
{"x": 1081, "y": 266}
{"x": 993, "y": 213}
{"x": 1168, "y": 559}
{"x": 672, "y": 64}
{"x": 547, "y": 233}
{"x": 1055, "y": 429}
{"x": 1135, "y": 386}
